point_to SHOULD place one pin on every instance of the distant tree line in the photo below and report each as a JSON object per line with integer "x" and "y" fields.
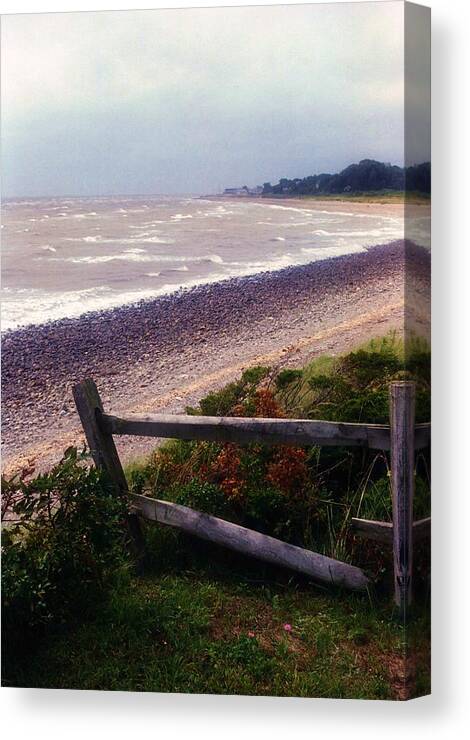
{"x": 369, "y": 175}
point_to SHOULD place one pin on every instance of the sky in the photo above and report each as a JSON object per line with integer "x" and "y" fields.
{"x": 194, "y": 100}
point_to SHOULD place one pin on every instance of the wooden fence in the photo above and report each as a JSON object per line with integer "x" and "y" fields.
{"x": 402, "y": 438}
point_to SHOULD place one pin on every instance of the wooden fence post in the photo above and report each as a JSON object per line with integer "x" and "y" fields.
{"x": 103, "y": 450}
{"x": 402, "y": 433}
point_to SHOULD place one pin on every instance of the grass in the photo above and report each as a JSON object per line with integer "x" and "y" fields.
{"x": 203, "y": 621}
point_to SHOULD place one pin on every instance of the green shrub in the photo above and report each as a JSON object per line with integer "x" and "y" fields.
{"x": 63, "y": 538}
{"x": 271, "y": 511}
{"x": 223, "y": 402}
{"x": 287, "y": 376}
{"x": 268, "y": 508}
{"x": 203, "y": 496}
{"x": 354, "y": 387}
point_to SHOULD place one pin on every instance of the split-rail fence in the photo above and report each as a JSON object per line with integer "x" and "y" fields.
{"x": 402, "y": 437}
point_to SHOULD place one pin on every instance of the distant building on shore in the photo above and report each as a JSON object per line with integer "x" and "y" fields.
{"x": 244, "y": 191}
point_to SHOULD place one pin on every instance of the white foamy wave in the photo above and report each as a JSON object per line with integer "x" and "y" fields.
{"x": 48, "y": 248}
{"x": 144, "y": 234}
{"x": 39, "y": 307}
{"x": 372, "y": 233}
{"x": 180, "y": 216}
{"x": 289, "y": 224}
{"x": 99, "y": 239}
{"x": 102, "y": 258}
{"x": 321, "y": 253}
{"x": 146, "y": 224}
{"x": 308, "y": 211}
{"x": 219, "y": 212}
{"x": 168, "y": 270}
{"x": 135, "y": 255}
{"x": 150, "y": 240}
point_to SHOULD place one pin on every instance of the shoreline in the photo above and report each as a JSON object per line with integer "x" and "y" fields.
{"x": 165, "y": 353}
{"x": 381, "y": 203}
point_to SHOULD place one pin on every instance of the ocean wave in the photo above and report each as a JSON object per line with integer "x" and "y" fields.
{"x": 386, "y": 233}
{"x": 40, "y": 307}
{"x": 133, "y": 255}
{"x": 332, "y": 251}
{"x": 290, "y": 224}
{"x": 139, "y": 239}
{"x": 275, "y": 207}
{"x": 146, "y": 226}
{"x": 167, "y": 271}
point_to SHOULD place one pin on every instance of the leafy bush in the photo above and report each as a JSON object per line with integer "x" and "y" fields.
{"x": 354, "y": 387}
{"x": 225, "y": 401}
{"x": 287, "y": 376}
{"x": 205, "y": 497}
{"x": 63, "y": 538}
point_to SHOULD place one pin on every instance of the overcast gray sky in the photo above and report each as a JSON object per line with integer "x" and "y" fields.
{"x": 180, "y": 101}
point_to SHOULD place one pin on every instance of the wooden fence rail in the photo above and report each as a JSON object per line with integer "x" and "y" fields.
{"x": 243, "y": 430}
{"x": 402, "y": 437}
{"x": 383, "y": 531}
{"x": 247, "y": 541}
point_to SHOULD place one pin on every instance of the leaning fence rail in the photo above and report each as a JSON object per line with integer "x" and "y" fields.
{"x": 402, "y": 438}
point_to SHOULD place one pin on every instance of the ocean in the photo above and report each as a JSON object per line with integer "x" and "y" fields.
{"x": 62, "y": 257}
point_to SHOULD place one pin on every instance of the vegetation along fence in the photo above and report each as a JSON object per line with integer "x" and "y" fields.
{"x": 402, "y": 437}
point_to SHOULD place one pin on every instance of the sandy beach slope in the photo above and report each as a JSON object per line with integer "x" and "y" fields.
{"x": 164, "y": 354}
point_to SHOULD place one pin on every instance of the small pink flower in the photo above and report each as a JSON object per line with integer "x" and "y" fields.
{"x": 251, "y": 634}
{"x": 287, "y": 627}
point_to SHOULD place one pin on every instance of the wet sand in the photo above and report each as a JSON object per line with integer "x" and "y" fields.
{"x": 164, "y": 354}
